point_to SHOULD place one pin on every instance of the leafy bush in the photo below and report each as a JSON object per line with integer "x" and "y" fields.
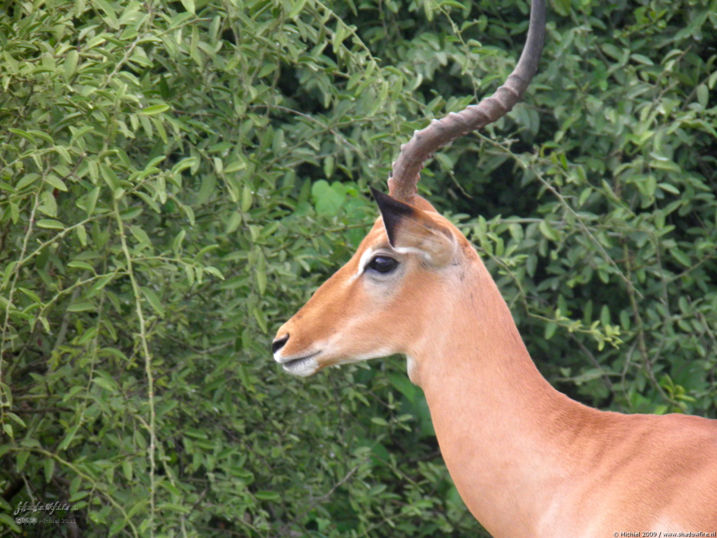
{"x": 176, "y": 178}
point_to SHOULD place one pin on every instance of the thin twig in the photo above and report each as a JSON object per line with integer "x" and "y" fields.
{"x": 147, "y": 364}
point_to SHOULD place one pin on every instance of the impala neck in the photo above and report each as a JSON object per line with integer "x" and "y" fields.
{"x": 500, "y": 425}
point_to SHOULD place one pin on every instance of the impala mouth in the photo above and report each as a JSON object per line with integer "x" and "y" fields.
{"x": 302, "y": 366}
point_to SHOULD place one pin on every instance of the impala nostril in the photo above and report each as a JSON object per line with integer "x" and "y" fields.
{"x": 277, "y": 344}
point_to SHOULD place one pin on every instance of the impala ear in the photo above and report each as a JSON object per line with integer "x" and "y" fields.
{"x": 412, "y": 229}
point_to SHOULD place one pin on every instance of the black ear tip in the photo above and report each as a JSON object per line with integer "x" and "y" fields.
{"x": 382, "y": 199}
{"x": 392, "y": 211}
{"x": 388, "y": 204}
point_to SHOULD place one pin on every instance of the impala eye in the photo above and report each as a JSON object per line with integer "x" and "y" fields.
{"x": 382, "y": 264}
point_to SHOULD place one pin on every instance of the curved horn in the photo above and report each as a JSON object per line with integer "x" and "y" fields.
{"x": 408, "y": 165}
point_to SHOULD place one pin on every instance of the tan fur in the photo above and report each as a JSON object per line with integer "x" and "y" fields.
{"x": 526, "y": 459}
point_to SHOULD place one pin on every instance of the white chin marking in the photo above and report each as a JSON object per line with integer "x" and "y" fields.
{"x": 302, "y": 367}
{"x": 411, "y": 368}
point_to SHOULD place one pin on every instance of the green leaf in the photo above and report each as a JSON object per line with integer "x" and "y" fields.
{"x": 550, "y": 329}
{"x": 71, "y": 61}
{"x": 92, "y": 198}
{"x": 16, "y": 419}
{"x": 259, "y": 317}
{"x": 81, "y": 234}
{"x": 588, "y": 375}
{"x": 153, "y": 300}
{"x": 155, "y": 109}
{"x": 79, "y": 264}
{"x": 680, "y": 256}
{"x": 246, "y": 198}
{"x": 213, "y": 271}
{"x": 10, "y": 522}
{"x": 69, "y": 436}
{"x": 82, "y": 306}
{"x": 548, "y": 231}
{"x": 232, "y": 223}
{"x": 268, "y": 496}
{"x": 261, "y": 279}
{"x": 234, "y": 166}
{"x": 51, "y": 224}
{"x": 117, "y": 526}
{"x": 127, "y": 469}
{"x": 296, "y": 8}
{"x": 189, "y": 6}
{"x": 48, "y": 466}
{"x": 48, "y": 204}
{"x": 21, "y": 459}
{"x": 26, "y": 180}
{"x": 207, "y": 188}
{"x": 141, "y": 236}
{"x": 24, "y": 134}
{"x": 56, "y": 182}
{"x": 110, "y": 17}
{"x": 108, "y": 174}
{"x": 703, "y": 95}
{"x": 31, "y": 294}
{"x": 78, "y": 496}
{"x": 106, "y": 383}
{"x": 669, "y": 188}
{"x": 327, "y": 199}
{"x": 402, "y": 384}
{"x": 178, "y": 240}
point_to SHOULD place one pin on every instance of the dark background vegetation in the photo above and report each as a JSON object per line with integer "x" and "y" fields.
{"x": 177, "y": 177}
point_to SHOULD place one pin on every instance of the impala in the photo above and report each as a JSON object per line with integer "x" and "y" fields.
{"x": 526, "y": 459}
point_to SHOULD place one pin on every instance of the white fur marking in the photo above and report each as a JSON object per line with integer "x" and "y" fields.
{"x": 365, "y": 257}
{"x": 413, "y": 250}
{"x": 304, "y": 368}
{"x": 410, "y": 367}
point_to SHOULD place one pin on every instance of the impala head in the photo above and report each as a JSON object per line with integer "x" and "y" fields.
{"x": 411, "y": 264}
{"x": 373, "y": 304}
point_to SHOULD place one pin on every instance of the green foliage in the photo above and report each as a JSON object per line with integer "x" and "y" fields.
{"x": 176, "y": 178}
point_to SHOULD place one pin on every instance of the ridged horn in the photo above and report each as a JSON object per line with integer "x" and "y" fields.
{"x": 408, "y": 165}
